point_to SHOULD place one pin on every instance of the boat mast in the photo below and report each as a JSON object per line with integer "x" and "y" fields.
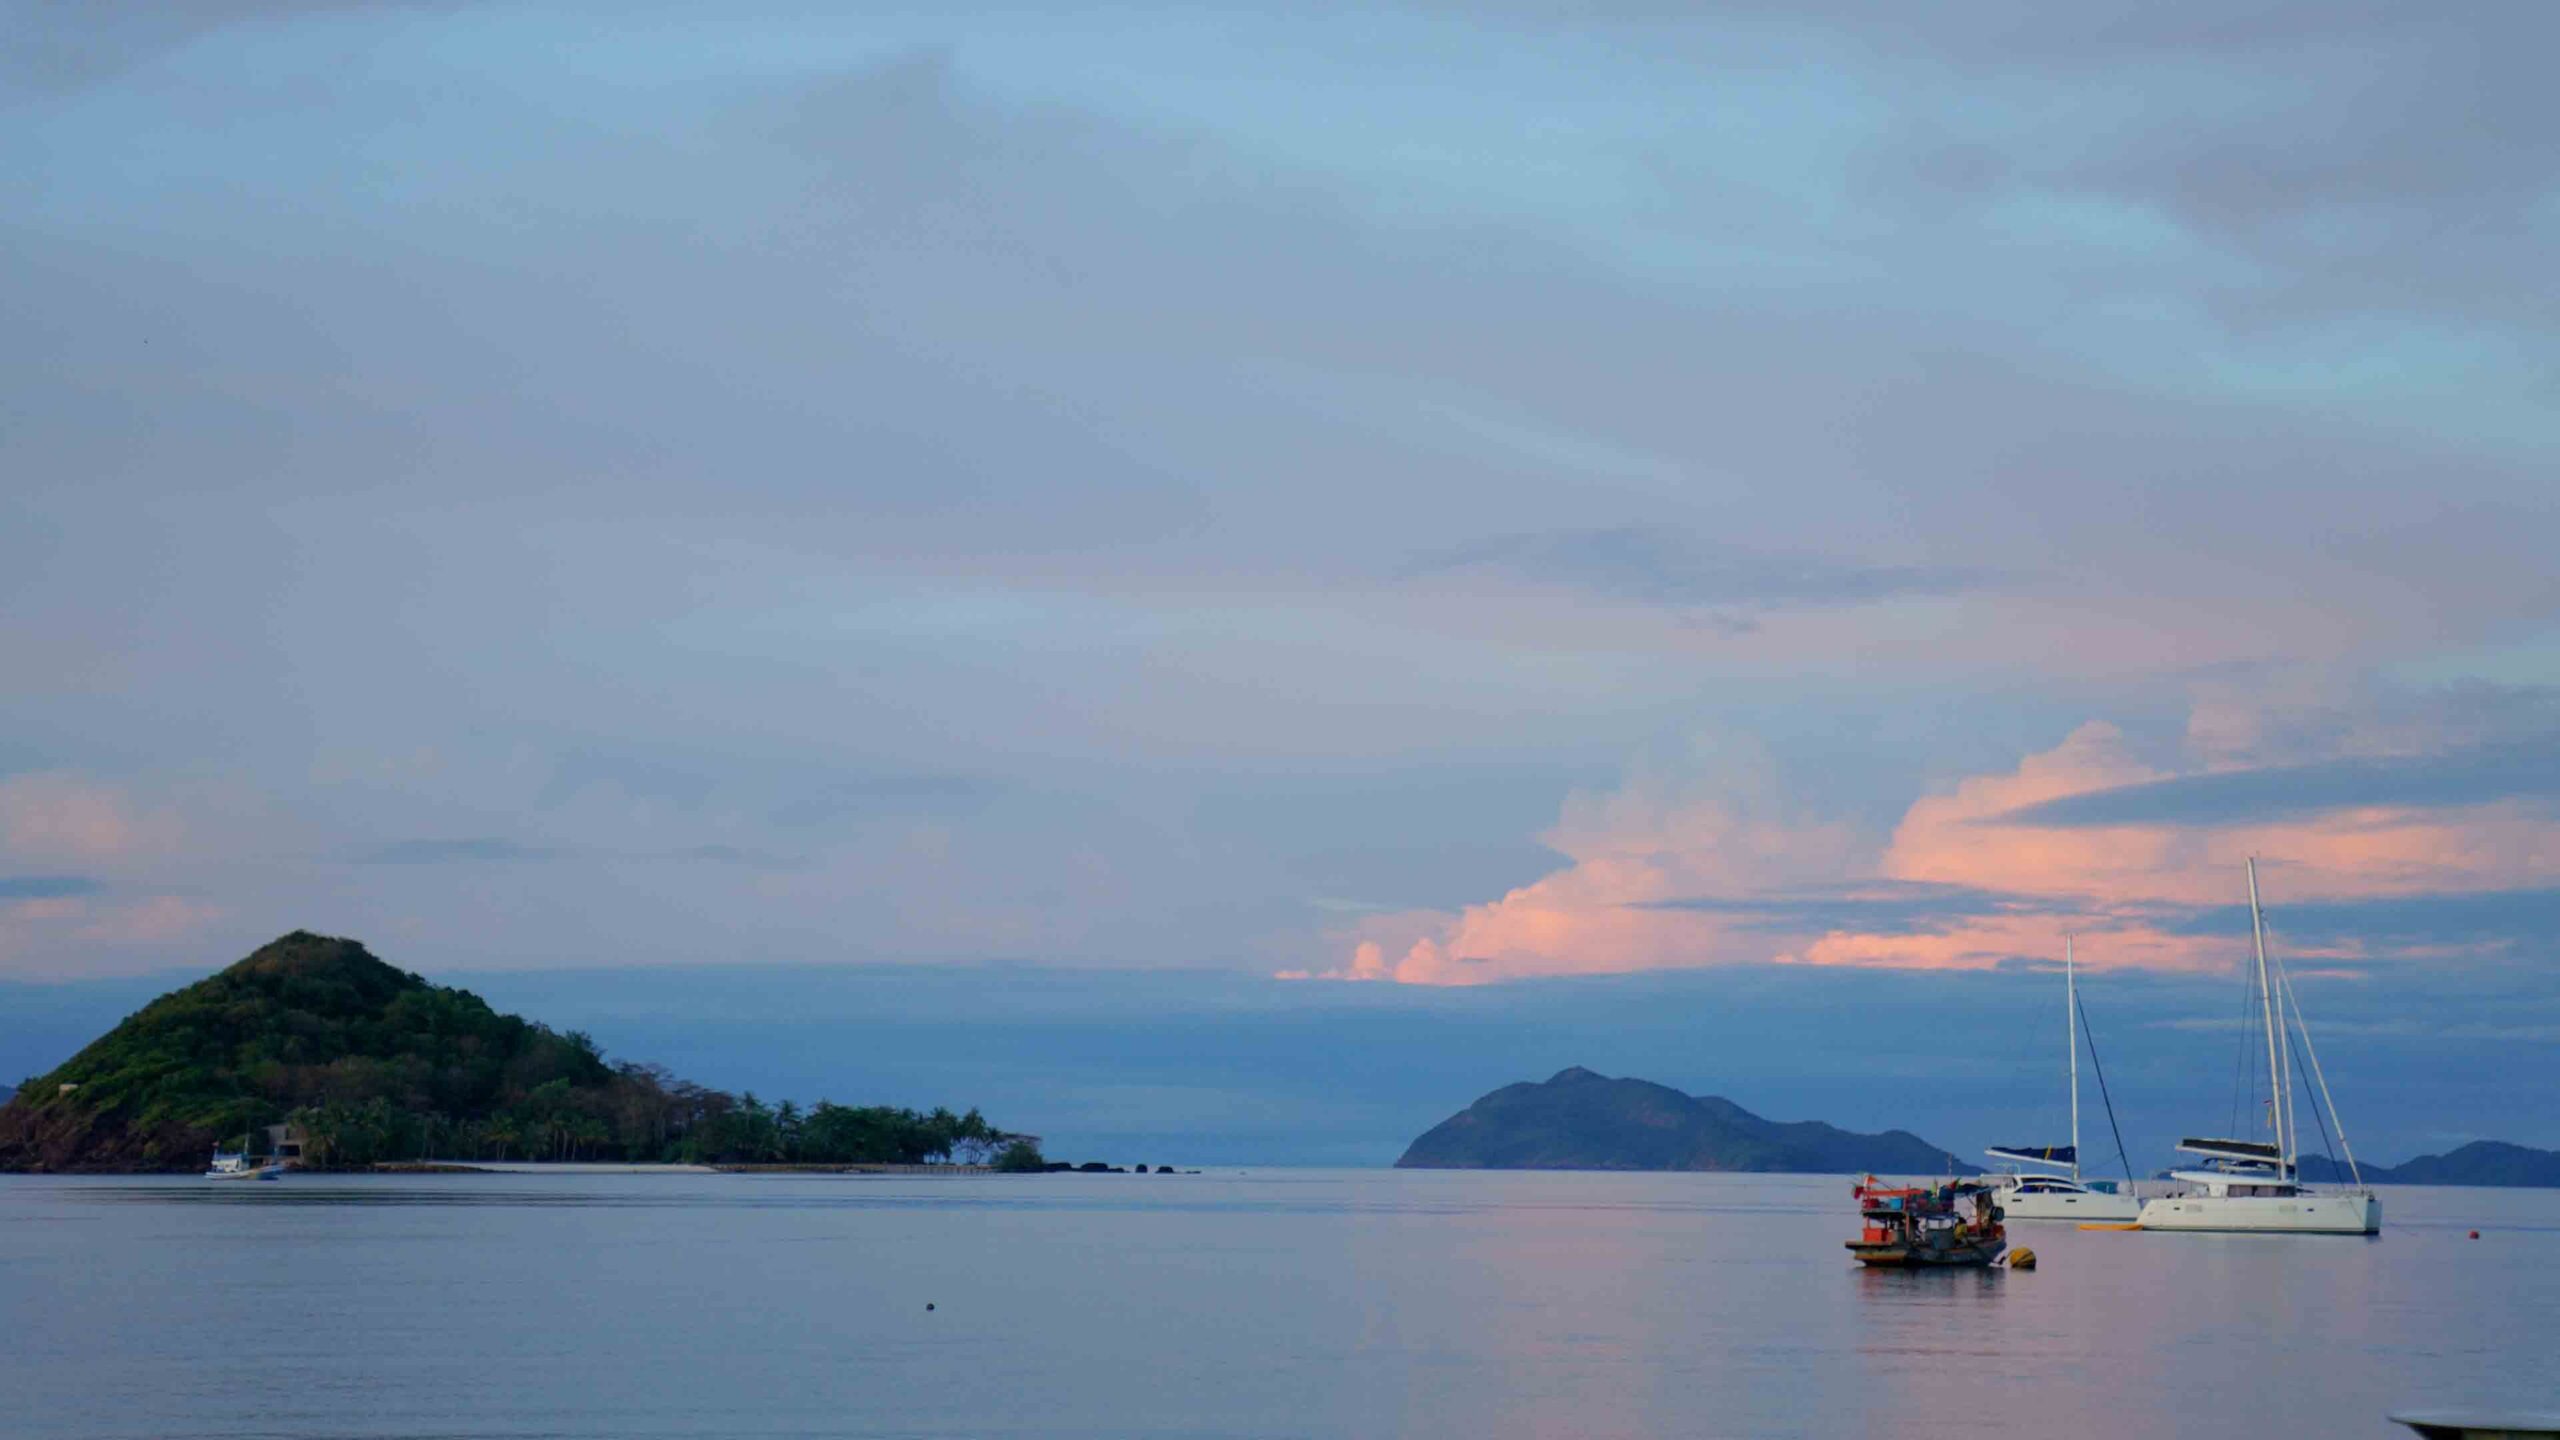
{"x": 2266, "y": 1003}
{"x": 2071, "y": 1032}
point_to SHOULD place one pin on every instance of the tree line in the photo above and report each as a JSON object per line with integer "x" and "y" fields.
{"x": 642, "y": 1114}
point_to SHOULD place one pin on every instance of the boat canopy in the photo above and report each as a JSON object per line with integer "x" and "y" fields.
{"x": 2257, "y": 1151}
{"x": 2036, "y": 1154}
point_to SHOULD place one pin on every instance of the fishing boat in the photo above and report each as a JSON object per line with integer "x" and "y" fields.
{"x": 2254, "y": 1185}
{"x": 238, "y": 1165}
{"x": 2054, "y": 1190}
{"x": 1917, "y": 1226}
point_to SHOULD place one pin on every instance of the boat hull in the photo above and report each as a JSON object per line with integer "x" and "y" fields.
{"x": 2092, "y": 1206}
{"x": 1889, "y": 1254}
{"x": 2267, "y": 1214}
{"x": 263, "y": 1172}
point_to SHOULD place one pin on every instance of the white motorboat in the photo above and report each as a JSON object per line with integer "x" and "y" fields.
{"x": 2059, "y": 1197}
{"x": 2056, "y": 1190}
{"x": 2255, "y": 1185}
{"x": 237, "y": 1165}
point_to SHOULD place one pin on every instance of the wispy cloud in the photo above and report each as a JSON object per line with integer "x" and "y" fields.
{"x": 47, "y": 887}
{"x": 740, "y": 855}
{"x": 873, "y": 795}
{"x": 58, "y": 46}
{"x": 1661, "y": 566}
{"x": 492, "y": 850}
{"x": 1880, "y": 907}
{"x": 2482, "y": 775}
{"x": 2460, "y": 918}
{"x": 475, "y": 851}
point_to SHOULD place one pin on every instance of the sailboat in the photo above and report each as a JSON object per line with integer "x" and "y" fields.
{"x": 2050, "y": 1193}
{"x": 2254, "y": 1185}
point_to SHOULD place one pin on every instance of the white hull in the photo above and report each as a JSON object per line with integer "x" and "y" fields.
{"x": 2092, "y": 1206}
{"x": 261, "y": 1172}
{"x": 2267, "y": 1214}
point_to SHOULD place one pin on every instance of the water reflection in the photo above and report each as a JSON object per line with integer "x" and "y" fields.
{"x": 1317, "y": 1304}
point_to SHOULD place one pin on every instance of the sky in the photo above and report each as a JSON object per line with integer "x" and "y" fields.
{"x": 1230, "y": 579}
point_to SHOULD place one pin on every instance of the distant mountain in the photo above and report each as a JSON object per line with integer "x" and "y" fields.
{"x": 1582, "y": 1121}
{"x": 2482, "y": 1162}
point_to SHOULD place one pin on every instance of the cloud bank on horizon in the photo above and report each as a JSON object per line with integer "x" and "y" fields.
{"x": 1450, "y": 495}
{"x": 2085, "y": 837}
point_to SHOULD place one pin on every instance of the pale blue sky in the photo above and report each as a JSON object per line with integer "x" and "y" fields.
{"x": 1196, "y": 494}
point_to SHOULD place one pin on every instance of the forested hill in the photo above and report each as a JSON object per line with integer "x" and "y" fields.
{"x": 374, "y": 1063}
{"x": 1582, "y": 1121}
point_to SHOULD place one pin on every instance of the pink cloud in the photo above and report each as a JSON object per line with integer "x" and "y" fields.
{"x": 1657, "y": 839}
{"x": 1664, "y": 874}
{"x": 1368, "y": 962}
{"x": 58, "y": 816}
{"x": 67, "y": 937}
{"x": 156, "y": 920}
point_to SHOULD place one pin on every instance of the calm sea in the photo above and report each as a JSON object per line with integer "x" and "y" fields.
{"x": 1274, "y": 1303}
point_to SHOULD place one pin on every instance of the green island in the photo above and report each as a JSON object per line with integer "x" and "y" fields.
{"x": 371, "y": 1064}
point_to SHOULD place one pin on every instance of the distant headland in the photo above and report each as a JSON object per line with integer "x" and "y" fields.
{"x": 364, "y": 1063}
{"x": 1582, "y": 1121}
{"x": 2492, "y": 1163}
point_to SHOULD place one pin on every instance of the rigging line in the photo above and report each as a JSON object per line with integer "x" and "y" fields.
{"x": 2317, "y": 1074}
{"x": 2103, "y": 1097}
{"x": 2286, "y": 999}
{"x": 2243, "y": 1087}
{"x": 2305, "y": 1076}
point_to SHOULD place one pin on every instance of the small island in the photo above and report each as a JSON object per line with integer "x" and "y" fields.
{"x": 362, "y": 1063}
{"x": 1582, "y": 1121}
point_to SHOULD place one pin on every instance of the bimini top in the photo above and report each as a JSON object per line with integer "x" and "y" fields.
{"x": 2036, "y": 1154}
{"x": 2254, "y": 1151}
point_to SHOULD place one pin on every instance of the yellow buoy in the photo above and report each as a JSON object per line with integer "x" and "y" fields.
{"x": 2022, "y": 1259}
{"x": 2109, "y": 1225}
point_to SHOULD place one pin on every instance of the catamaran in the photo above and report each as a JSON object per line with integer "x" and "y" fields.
{"x": 2056, "y": 1191}
{"x": 2255, "y": 1185}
